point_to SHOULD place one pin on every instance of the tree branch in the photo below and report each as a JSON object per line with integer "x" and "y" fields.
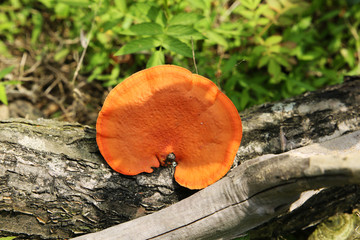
{"x": 54, "y": 183}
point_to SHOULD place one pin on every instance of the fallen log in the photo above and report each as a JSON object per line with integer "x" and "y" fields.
{"x": 55, "y": 184}
{"x": 259, "y": 190}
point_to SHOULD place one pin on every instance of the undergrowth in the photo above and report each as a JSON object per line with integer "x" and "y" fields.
{"x": 255, "y": 51}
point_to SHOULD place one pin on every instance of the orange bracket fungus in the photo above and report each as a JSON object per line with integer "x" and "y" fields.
{"x": 167, "y": 115}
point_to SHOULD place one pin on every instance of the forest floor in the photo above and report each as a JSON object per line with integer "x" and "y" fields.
{"x": 47, "y": 89}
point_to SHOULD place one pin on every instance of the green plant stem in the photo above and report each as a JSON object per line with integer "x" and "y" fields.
{"x": 193, "y": 53}
{"x": 355, "y": 34}
{"x": 78, "y": 67}
{"x": 167, "y": 13}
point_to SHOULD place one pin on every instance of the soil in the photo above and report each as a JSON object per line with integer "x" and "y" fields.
{"x": 47, "y": 88}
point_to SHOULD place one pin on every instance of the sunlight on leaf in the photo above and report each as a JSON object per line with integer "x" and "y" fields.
{"x": 75, "y": 3}
{"x": 157, "y": 58}
{"x": 3, "y": 97}
{"x": 138, "y": 45}
{"x": 177, "y": 46}
{"x": 148, "y": 28}
{"x": 37, "y": 20}
{"x": 6, "y": 71}
{"x": 185, "y": 18}
{"x": 217, "y": 38}
{"x": 273, "y": 40}
{"x": 181, "y": 30}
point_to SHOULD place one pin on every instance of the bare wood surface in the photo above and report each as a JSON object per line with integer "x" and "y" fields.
{"x": 54, "y": 183}
{"x": 250, "y": 195}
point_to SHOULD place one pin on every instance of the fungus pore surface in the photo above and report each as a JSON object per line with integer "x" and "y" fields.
{"x": 167, "y": 109}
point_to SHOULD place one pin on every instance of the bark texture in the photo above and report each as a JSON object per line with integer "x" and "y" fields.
{"x": 250, "y": 195}
{"x": 55, "y": 184}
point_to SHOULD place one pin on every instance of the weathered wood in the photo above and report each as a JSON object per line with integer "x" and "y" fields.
{"x": 250, "y": 195}
{"x": 54, "y": 183}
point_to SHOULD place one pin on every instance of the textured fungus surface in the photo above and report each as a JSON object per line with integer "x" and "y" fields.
{"x": 167, "y": 109}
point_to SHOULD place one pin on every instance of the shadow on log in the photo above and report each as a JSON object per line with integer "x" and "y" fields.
{"x": 54, "y": 183}
{"x": 250, "y": 195}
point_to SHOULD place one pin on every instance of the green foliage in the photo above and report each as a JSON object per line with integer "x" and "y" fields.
{"x": 161, "y": 33}
{"x": 256, "y": 51}
{"x": 3, "y": 73}
{"x": 7, "y": 238}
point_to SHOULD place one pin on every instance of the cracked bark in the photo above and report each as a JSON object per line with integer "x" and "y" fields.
{"x": 250, "y": 195}
{"x": 55, "y": 184}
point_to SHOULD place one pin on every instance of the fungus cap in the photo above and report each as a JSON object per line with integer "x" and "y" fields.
{"x": 167, "y": 109}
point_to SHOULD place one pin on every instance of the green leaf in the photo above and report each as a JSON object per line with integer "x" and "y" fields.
{"x": 181, "y": 30}
{"x": 7, "y": 238}
{"x": 96, "y": 60}
{"x": 302, "y": 84}
{"x": 74, "y": 3}
{"x": 16, "y": 4}
{"x": 102, "y": 37}
{"x": 305, "y": 23}
{"x": 273, "y": 40}
{"x": 148, "y": 28}
{"x": 349, "y": 56}
{"x": 152, "y": 12}
{"x": 285, "y": 21}
{"x": 274, "y": 68}
{"x": 138, "y": 45}
{"x": 263, "y": 21}
{"x": 37, "y": 20}
{"x": 47, "y": 3}
{"x": 61, "y": 54}
{"x": 217, "y": 38}
{"x": 157, "y": 58}
{"x": 3, "y": 97}
{"x": 251, "y": 4}
{"x": 244, "y": 98}
{"x": 4, "y": 50}
{"x": 329, "y": 15}
{"x": 11, "y": 82}
{"x": 185, "y": 18}
{"x": 112, "y": 24}
{"x": 258, "y": 50}
{"x": 230, "y": 83}
{"x": 115, "y": 73}
{"x": 121, "y": 5}
{"x": 155, "y": 14}
{"x": 263, "y": 61}
{"x": 275, "y": 80}
{"x": 177, "y": 46}
{"x": 247, "y": 14}
{"x": 235, "y": 97}
{"x": 274, "y": 4}
{"x": 268, "y": 12}
{"x": 274, "y": 48}
{"x": 94, "y": 74}
{"x": 62, "y": 10}
{"x": 6, "y": 71}
{"x": 283, "y": 61}
{"x": 259, "y": 89}
{"x": 229, "y": 65}
{"x": 308, "y": 56}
